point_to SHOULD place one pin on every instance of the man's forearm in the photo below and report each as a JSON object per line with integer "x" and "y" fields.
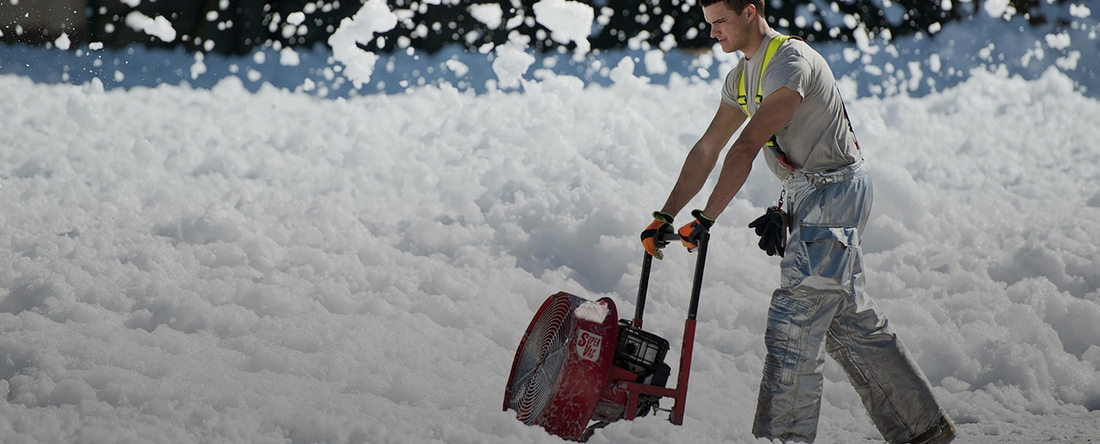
{"x": 693, "y": 175}
{"x": 735, "y": 171}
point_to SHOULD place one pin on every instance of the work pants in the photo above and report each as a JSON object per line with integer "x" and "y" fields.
{"x": 822, "y": 300}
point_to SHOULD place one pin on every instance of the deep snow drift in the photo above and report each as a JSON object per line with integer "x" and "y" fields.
{"x": 189, "y": 265}
{"x": 251, "y": 264}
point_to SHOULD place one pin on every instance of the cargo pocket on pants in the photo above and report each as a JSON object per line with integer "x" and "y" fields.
{"x": 823, "y": 258}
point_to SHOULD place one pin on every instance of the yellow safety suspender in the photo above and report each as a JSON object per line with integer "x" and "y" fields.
{"x": 742, "y": 97}
{"x": 743, "y": 100}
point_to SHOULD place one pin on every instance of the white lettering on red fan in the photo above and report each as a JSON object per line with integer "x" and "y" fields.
{"x": 588, "y": 345}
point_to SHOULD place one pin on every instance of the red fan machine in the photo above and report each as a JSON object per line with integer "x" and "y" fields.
{"x": 578, "y": 367}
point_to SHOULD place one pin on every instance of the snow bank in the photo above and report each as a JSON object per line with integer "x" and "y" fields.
{"x": 197, "y": 265}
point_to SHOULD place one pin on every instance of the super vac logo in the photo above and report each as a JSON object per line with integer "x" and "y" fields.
{"x": 588, "y": 345}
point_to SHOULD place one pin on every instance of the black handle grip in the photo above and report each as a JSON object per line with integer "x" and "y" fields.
{"x": 663, "y": 239}
{"x": 697, "y": 281}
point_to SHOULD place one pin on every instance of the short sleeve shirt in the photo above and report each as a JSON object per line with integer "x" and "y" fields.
{"x": 818, "y": 136}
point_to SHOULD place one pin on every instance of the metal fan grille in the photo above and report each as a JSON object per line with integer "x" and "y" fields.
{"x": 540, "y": 361}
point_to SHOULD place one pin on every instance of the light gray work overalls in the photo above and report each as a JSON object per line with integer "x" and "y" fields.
{"x": 821, "y": 300}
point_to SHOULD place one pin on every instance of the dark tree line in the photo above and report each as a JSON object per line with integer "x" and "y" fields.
{"x": 238, "y": 26}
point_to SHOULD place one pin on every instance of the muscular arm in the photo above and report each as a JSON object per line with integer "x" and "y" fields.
{"x": 774, "y": 111}
{"x": 703, "y": 156}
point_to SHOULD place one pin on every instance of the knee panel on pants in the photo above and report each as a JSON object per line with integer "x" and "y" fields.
{"x": 851, "y": 362}
{"x": 789, "y": 322}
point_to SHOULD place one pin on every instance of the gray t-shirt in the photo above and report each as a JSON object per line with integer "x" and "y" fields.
{"x": 818, "y": 136}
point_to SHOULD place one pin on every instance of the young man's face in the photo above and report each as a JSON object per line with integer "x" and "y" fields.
{"x": 728, "y": 27}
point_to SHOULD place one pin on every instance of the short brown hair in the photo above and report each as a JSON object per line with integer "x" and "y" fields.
{"x": 736, "y": 5}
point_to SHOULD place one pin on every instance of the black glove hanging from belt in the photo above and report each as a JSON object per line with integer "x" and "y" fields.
{"x": 772, "y": 229}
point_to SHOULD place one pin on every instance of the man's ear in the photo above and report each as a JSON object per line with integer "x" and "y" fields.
{"x": 750, "y": 15}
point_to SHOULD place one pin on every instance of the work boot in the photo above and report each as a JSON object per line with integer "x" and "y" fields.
{"x": 942, "y": 433}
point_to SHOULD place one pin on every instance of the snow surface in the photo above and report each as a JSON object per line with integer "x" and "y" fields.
{"x": 253, "y": 264}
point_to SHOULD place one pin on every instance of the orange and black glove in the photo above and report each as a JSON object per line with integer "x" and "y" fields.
{"x": 653, "y": 234}
{"x": 689, "y": 234}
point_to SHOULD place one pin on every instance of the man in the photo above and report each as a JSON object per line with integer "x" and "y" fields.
{"x": 790, "y": 93}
